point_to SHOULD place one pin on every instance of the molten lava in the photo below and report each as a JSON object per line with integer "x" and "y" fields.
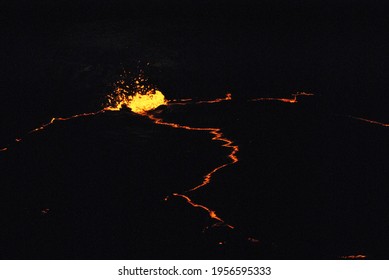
{"x": 136, "y": 95}
{"x": 285, "y": 100}
{"x": 52, "y": 121}
{"x": 354, "y": 257}
{"x": 139, "y": 103}
{"x": 211, "y": 213}
{"x": 43, "y": 126}
{"x": 142, "y": 98}
{"x": 217, "y": 136}
{"x": 217, "y": 100}
{"x": 370, "y": 121}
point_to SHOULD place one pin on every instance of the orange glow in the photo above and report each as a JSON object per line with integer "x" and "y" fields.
{"x": 354, "y": 257}
{"x": 138, "y": 103}
{"x": 138, "y": 96}
{"x": 145, "y": 98}
{"x": 141, "y": 98}
{"x": 285, "y": 100}
{"x": 43, "y": 126}
{"x": 217, "y": 136}
{"x": 370, "y": 121}
{"x": 211, "y": 213}
{"x": 217, "y": 100}
{"x": 185, "y": 101}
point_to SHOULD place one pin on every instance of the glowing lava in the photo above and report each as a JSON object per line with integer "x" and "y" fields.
{"x": 354, "y": 257}
{"x": 43, "y": 126}
{"x": 137, "y": 96}
{"x": 217, "y": 136}
{"x": 217, "y": 100}
{"x": 53, "y": 120}
{"x": 370, "y": 121}
{"x": 285, "y": 100}
{"x": 186, "y": 101}
{"x": 142, "y": 98}
{"x": 211, "y": 213}
{"x": 139, "y": 103}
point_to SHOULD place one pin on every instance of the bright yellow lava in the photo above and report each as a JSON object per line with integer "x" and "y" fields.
{"x": 139, "y": 103}
{"x": 138, "y": 96}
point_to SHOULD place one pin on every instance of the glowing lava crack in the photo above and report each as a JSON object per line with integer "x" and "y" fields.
{"x": 217, "y": 136}
{"x": 143, "y": 99}
{"x": 369, "y": 121}
{"x": 144, "y": 103}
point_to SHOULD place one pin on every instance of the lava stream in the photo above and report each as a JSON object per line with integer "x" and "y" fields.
{"x": 211, "y": 213}
{"x": 285, "y": 100}
{"x": 43, "y": 126}
{"x": 370, "y": 121}
{"x": 186, "y": 101}
{"x": 354, "y": 257}
{"x": 53, "y": 120}
{"x": 217, "y": 100}
{"x": 217, "y": 136}
{"x": 143, "y": 98}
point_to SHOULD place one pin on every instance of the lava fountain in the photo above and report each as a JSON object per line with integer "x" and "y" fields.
{"x": 136, "y": 95}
